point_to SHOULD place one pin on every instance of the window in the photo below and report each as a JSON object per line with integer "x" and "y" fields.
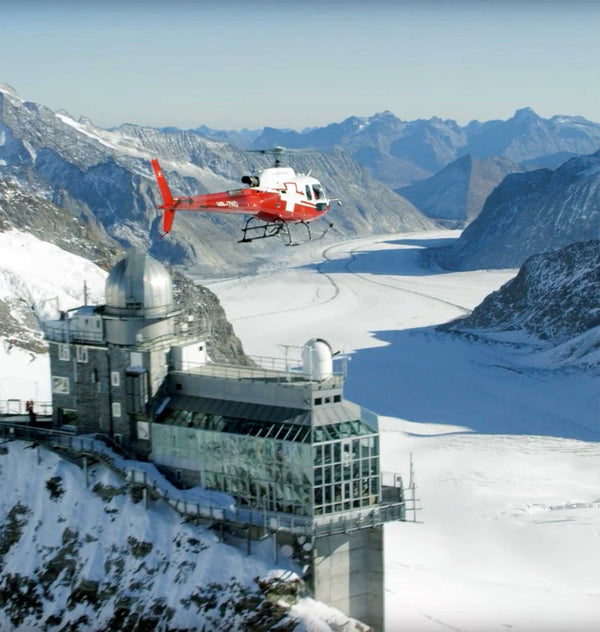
{"x": 63, "y": 351}
{"x": 68, "y": 416}
{"x": 60, "y": 385}
{"x": 116, "y": 409}
{"x": 115, "y": 378}
{"x": 318, "y": 401}
{"x": 337, "y": 398}
{"x": 319, "y": 193}
{"x": 136, "y": 359}
{"x": 308, "y": 192}
{"x": 94, "y": 376}
{"x": 81, "y": 353}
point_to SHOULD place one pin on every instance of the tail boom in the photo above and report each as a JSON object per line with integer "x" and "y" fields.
{"x": 169, "y": 203}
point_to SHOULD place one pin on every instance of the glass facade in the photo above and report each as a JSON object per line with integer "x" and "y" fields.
{"x": 265, "y": 473}
{"x": 277, "y": 466}
{"x": 346, "y": 467}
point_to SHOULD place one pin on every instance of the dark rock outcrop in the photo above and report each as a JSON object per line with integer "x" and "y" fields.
{"x": 555, "y": 297}
{"x": 455, "y": 195}
{"x": 528, "y": 213}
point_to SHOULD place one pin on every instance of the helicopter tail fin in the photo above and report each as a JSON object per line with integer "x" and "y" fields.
{"x": 169, "y": 204}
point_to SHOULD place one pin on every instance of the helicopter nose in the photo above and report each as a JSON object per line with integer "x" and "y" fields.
{"x": 321, "y": 207}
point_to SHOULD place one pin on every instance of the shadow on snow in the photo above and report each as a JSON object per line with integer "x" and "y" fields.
{"x": 437, "y": 378}
{"x": 391, "y": 261}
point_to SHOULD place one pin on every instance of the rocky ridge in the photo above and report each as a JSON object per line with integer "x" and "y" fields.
{"x": 22, "y": 309}
{"x": 455, "y": 195}
{"x": 79, "y": 554}
{"x": 554, "y": 298}
{"x": 401, "y": 152}
{"x": 529, "y": 213}
{"x": 108, "y": 173}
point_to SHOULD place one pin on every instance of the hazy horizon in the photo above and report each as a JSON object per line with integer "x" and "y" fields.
{"x": 294, "y": 65}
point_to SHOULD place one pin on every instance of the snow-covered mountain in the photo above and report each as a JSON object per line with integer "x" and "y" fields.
{"x": 26, "y": 211}
{"x": 529, "y": 213}
{"x": 400, "y": 152}
{"x": 456, "y": 194}
{"x": 107, "y": 174}
{"x": 37, "y": 278}
{"x": 554, "y": 297}
{"x": 77, "y": 557}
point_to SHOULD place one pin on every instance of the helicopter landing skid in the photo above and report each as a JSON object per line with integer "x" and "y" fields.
{"x": 264, "y": 230}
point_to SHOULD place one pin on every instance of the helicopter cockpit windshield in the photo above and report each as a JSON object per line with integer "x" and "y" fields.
{"x": 318, "y": 191}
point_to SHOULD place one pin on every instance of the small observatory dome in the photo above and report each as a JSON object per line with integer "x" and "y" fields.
{"x": 139, "y": 285}
{"x": 317, "y": 359}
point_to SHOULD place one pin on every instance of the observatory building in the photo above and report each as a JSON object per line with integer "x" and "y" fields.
{"x": 280, "y": 439}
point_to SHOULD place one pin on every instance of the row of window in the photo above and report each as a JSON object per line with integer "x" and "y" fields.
{"x": 327, "y": 400}
{"x": 346, "y": 450}
{"x": 345, "y": 472}
{"x": 346, "y": 495}
{"x": 64, "y": 352}
{"x": 281, "y": 431}
{"x": 62, "y": 386}
{"x": 82, "y": 356}
{"x": 341, "y": 430}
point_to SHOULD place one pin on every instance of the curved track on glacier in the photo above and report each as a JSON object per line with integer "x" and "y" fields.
{"x": 337, "y": 287}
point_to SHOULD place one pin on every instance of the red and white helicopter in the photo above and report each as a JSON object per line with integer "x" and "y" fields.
{"x": 274, "y": 199}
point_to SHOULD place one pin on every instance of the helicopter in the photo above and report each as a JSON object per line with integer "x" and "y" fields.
{"x": 274, "y": 199}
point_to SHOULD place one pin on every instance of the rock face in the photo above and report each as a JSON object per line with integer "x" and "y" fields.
{"x": 400, "y": 152}
{"x": 529, "y": 213}
{"x": 83, "y": 236}
{"x": 83, "y": 553}
{"x": 555, "y": 297}
{"x": 198, "y": 301}
{"x": 107, "y": 174}
{"x": 455, "y": 195}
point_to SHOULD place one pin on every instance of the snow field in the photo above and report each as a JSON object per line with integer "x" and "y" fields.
{"x": 44, "y": 276}
{"x": 504, "y": 441}
{"x": 509, "y": 532}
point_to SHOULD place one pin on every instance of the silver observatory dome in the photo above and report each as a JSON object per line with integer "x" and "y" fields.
{"x": 139, "y": 285}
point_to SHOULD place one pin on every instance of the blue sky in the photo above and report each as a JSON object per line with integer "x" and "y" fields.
{"x": 296, "y": 64}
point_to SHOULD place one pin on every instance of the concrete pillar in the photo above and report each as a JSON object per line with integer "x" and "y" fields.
{"x": 348, "y": 574}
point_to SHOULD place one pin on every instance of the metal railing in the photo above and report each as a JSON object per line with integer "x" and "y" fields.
{"x": 60, "y": 331}
{"x": 19, "y": 407}
{"x": 157, "y": 487}
{"x": 268, "y": 369}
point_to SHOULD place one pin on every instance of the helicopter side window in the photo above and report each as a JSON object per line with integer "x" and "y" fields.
{"x": 308, "y": 192}
{"x": 319, "y": 193}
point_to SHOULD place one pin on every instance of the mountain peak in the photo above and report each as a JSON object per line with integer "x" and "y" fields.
{"x": 386, "y": 114}
{"x": 7, "y": 89}
{"x": 525, "y": 113}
